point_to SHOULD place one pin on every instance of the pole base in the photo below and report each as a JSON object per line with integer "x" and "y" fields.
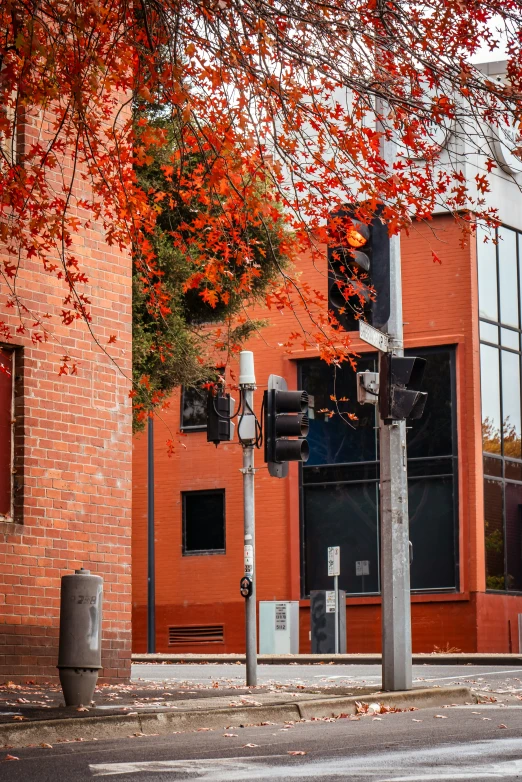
{"x": 78, "y": 685}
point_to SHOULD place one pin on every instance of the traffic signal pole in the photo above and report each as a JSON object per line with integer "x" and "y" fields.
{"x": 247, "y": 385}
{"x": 395, "y": 555}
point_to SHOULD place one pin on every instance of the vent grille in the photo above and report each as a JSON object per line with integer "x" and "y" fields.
{"x": 194, "y": 635}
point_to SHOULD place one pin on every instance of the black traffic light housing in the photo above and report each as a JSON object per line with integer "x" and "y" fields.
{"x": 285, "y": 417}
{"x": 358, "y": 259}
{"x": 400, "y": 378}
{"x": 219, "y": 410}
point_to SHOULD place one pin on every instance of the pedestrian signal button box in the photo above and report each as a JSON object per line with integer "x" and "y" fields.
{"x": 278, "y": 627}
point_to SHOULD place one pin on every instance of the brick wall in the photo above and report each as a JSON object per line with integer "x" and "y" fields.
{"x": 73, "y": 481}
{"x": 440, "y": 308}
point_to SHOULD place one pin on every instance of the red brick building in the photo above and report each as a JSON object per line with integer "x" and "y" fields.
{"x": 465, "y": 493}
{"x": 65, "y": 471}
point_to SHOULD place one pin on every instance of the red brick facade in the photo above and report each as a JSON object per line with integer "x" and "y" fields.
{"x": 72, "y": 482}
{"x": 440, "y": 308}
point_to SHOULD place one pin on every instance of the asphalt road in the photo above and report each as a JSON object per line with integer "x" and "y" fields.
{"x": 496, "y": 679}
{"x": 472, "y": 743}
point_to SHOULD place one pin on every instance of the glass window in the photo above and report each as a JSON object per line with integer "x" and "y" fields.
{"x": 490, "y": 386}
{"x": 431, "y": 435}
{"x": 203, "y": 521}
{"x": 487, "y": 275}
{"x": 333, "y": 437}
{"x": 511, "y": 429}
{"x": 488, "y": 332}
{"x": 340, "y": 482}
{"x": 509, "y": 338}
{"x": 432, "y": 533}
{"x": 513, "y": 508}
{"x": 6, "y": 430}
{"x": 344, "y": 515}
{"x": 494, "y": 532}
{"x": 508, "y": 277}
{"x": 193, "y": 408}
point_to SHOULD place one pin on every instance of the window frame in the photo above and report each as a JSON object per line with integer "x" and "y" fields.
{"x": 201, "y": 552}
{"x": 501, "y": 458}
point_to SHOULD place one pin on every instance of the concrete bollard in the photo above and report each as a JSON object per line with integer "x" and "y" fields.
{"x": 79, "y": 655}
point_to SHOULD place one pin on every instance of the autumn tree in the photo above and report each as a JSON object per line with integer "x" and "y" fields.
{"x": 279, "y": 109}
{"x": 171, "y": 350}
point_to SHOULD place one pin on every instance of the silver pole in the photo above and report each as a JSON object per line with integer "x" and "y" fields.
{"x": 249, "y": 521}
{"x": 336, "y": 587}
{"x": 395, "y": 560}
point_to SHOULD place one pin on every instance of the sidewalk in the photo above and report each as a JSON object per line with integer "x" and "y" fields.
{"x": 35, "y": 715}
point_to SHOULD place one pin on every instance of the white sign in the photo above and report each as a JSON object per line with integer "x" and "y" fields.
{"x": 362, "y": 567}
{"x": 249, "y": 560}
{"x": 334, "y": 561}
{"x": 373, "y": 336}
{"x": 280, "y": 616}
{"x": 330, "y": 602}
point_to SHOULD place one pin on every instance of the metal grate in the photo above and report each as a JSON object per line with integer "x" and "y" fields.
{"x": 196, "y": 634}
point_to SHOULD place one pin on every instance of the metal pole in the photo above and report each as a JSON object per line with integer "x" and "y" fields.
{"x": 395, "y": 559}
{"x": 336, "y": 587}
{"x": 151, "y": 575}
{"x": 249, "y": 522}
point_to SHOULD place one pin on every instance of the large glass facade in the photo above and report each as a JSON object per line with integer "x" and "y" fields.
{"x": 499, "y": 275}
{"x": 340, "y": 482}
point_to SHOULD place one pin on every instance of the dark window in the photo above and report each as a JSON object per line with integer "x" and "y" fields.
{"x": 340, "y": 481}
{"x": 499, "y": 263}
{"x": 6, "y": 432}
{"x": 203, "y": 521}
{"x": 193, "y": 408}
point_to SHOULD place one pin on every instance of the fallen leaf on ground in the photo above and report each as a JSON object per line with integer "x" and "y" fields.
{"x": 82, "y": 708}
{"x": 47, "y": 746}
{"x": 230, "y": 735}
{"x": 487, "y": 718}
{"x": 439, "y": 717}
{"x": 249, "y": 745}
{"x": 502, "y": 725}
{"x": 416, "y": 720}
{"x": 377, "y": 718}
{"x": 11, "y": 757}
{"x": 296, "y": 752}
{"x": 19, "y": 717}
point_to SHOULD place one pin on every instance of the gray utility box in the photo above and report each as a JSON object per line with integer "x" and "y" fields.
{"x": 322, "y": 621}
{"x": 278, "y": 627}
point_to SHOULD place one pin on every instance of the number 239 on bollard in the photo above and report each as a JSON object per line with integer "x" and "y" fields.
{"x": 245, "y": 586}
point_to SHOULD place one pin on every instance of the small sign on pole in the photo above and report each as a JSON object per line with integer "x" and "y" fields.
{"x": 334, "y": 561}
{"x": 373, "y": 337}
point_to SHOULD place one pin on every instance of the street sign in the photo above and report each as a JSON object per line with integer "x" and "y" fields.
{"x": 373, "y": 336}
{"x": 280, "y": 616}
{"x": 362, "y": 567}
{"x": 334, "y": 561}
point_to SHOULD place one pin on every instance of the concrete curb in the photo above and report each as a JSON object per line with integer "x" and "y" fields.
{"x": 337, "y": 659}
{"x": 103, "y": 727}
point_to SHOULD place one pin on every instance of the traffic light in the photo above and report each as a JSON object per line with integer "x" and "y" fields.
{"x": 358, "y": 269}
{"x": 220, "y": 408}
{"x": 285, "y": 426}
{"x": 400, "y": 378}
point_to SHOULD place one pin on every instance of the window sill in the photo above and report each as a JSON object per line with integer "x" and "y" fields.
{"x": 209, "y": 552}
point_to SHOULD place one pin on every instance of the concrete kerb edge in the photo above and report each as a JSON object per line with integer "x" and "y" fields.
{"x": 340, "y": 659}
{"x": 162, "y": 723}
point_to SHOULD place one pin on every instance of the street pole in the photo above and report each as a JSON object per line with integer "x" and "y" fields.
{"x": 247, "y": 425}
{"x": 395, "y": 560}
{"x": 336, "y": 587}
{"x": 151, "y": 575}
